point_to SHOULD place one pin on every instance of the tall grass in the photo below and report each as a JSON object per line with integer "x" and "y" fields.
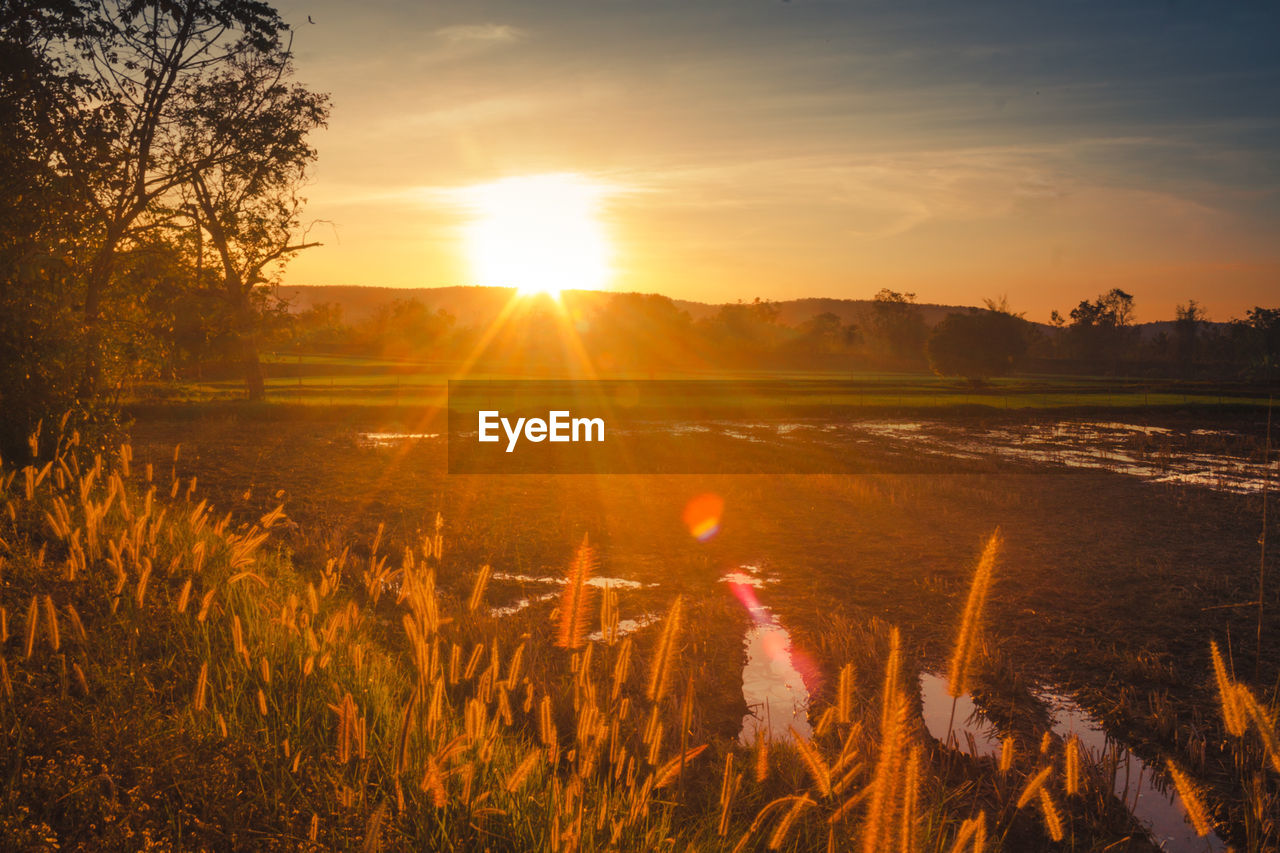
{"x": 173, "y": 679}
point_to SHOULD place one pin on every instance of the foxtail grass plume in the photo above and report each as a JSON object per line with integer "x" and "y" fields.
{"x": 728, "y": 787}
{"x": 910, "y": 800}
{"x": 478, "y": 588}
{"x": 886, "y": 785}
{"x": 664, "y": 656}
{"x": 892, "y": 677}
{"x": 51, "y": 623}
{"x": 1191, "y": 801}
{"x": 1232, "y": 714}
{"x": 1073, "y": 765}
{"x": 1007, "y": 751}
{"x": 518, "y": 776}
{"x": 972, "y": 835}
{"x": 887, "y": 781}
{"x": 761, "y": 756}
{"x": 844, "y": 695}
{"x": 1264, "y": 722}
{"x": 779, "y": 836}
{"x": 1052, "y": 817}
{"x": 609, "y": 615}
{"x": 963, "y": 654}
{"x": 1033, "y": 786}
{"x": 818, "y": 769}
{"x": 33, "y": 617}
{"x": 575, "y": 603}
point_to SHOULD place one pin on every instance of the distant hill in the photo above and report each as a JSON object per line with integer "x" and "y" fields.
{"x": 472, "y": 305}
{"x": 467, "y": 303}
{"x": 857, "y": 311}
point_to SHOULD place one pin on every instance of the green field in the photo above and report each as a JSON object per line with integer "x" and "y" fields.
{"x": 346, "y": 381}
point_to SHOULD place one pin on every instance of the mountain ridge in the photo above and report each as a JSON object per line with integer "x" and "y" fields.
{"x": 477, "y": 303}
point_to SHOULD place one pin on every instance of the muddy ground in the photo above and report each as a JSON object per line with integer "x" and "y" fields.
{"x": 1109, "y": 589}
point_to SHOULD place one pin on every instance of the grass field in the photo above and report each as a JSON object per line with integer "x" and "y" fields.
{"x": 346, "y": 674}
{"x": 340, "y": 381}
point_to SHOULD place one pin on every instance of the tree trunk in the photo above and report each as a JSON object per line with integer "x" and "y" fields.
{"x": 255, "y": 380}
{"x": 96, "y": 283}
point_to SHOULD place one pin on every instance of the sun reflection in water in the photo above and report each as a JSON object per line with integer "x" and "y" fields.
{"x": 773, "y": 684}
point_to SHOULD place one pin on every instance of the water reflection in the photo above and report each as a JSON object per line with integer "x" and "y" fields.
{"x": 391, "y": 439}
{"x": 1146, "y": 794}
{"x": 774, "y": 690}
{"x": 970, "y": 729}
{"x": 627, "y": 626}
{"x": 1108, "y": 446}
{"x": 520, "y": 604}
{"x": 599, "y": 581}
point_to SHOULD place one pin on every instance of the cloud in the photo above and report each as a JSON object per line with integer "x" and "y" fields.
{"x": 481, "y": 34}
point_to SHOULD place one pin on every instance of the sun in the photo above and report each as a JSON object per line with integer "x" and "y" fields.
{"x": 538, "y": 234}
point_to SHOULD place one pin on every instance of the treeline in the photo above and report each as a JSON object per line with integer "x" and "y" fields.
{"x": 1099, "y": 336}
{"x": 624, "y": 331}
{"x": 638, "y": 333}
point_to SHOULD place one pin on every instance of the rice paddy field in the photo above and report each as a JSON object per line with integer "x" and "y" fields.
{"x": 981, "y": 628}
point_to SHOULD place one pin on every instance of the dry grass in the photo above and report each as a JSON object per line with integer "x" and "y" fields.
{"x": 174, "y": 680}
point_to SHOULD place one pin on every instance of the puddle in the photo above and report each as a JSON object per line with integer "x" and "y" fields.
{"x": 601, "y": 582}
{"x": 1151, "y": 798}
{"x": 686, "y": 429}
{"x": 773, "y": 688}
{"x": 391, "y": 439}
{"x": 970, "y": 729}
{"x": 1116, "y": 426}
{"x": 628, "y": 626}
{"x": 746, "y": 576}
{"x": 529, "y": 601}
{"x": 743, "y": 436}
{"x": 521, "y": 604}
{"x": 1108, "y": 446}
{"x": 1148, "y": 796}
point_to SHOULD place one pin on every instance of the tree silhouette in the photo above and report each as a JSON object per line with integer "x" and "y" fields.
{"x": 127, "y": 70}
{"x": 978, "y": 344}
{"x": 899, "y": 324}
{"x": 244, "y": 195}
{"x": 1100, "y": 330}
{"x": 1188, "y": 326}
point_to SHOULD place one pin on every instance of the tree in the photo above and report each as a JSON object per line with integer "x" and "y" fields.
{"x": 127, "y": 67}
{"x": 899, "y": 324}
{"x": 1264, "y": 325}
{"x": 320, "y": 328}
{"x": 244, "y": 195}
{"x": 978, "y": 344}
{"x": 827, "y": 334}
{"x": 741, "y": 332}
{"x": 404, "y": 329}
{"x": 1187, "y": 325}
{"x": 44, "y": 225}
{"x": 1101, "y": 329}
{"x": 638, "y": 331}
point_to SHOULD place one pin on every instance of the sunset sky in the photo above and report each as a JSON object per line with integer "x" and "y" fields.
{"x": 784, "y": 149}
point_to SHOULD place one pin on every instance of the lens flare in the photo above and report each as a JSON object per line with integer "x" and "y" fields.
{"x": 702, "y": 516}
